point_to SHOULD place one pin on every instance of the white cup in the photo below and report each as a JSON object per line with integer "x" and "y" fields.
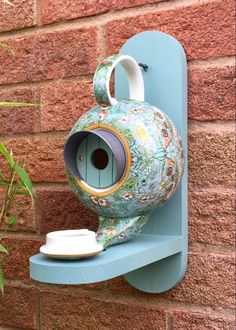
{"x": 69, "y": 243}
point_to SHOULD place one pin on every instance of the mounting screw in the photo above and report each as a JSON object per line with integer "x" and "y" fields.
{"x": 81, "y": 157}
{"x": 144, "y": 66}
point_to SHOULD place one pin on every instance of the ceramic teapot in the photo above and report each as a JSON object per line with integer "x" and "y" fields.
{"x": 123, "y": 158}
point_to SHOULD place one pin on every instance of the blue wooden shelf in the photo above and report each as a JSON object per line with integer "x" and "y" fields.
{"x": 116, "y": 260}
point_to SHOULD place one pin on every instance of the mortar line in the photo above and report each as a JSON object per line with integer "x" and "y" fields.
{"x": 192, "y": 188}
{"x": 103, "y": 18}
{"x": 109, "y": 295}
{"x": 211, "y": 127}
{"x": 204, "y": 64}
{"x": 38, "y": 308}
{"x": 36, "y": 213}
{"x": 196, "y": 188}
{"x": 212, "y": 250}
{"x": 37, "y": 116}
{"x": 38, "y": 12}
{"x": 212, "y": 62}
{"x": 9, "y": 328}
{"x": 215, "y": 126}
{"x": 24, "y": 235}
{"x": 36, "y": 135}
{"x": 46, "y": 82}
{"x": 102, "y": 43}
{"x": 169, "y": 319}
{"x": 195, "y": 248}
{"x": 200, "y": 188}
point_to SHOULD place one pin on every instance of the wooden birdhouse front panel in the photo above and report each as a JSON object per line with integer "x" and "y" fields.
{"x": 96, "y": 163}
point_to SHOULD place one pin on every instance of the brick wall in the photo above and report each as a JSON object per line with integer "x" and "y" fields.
{"x": 57, "y": 45}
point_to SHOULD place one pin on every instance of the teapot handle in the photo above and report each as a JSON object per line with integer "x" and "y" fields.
{"x": 102, "y": 77}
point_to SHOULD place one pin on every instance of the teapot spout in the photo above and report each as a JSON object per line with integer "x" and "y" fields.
{"x": 118, "y": 230}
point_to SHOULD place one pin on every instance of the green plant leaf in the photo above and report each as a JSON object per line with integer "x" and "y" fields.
{"x": 17, "y": 104}
{"x": 7, "y": 47}
{"x": 2, "y": 176}
{"x": 3, "y": 249}
{"x": 7, "y": 155}
{"x": 3, "y": 183}
{"x": 25, "y": 179}
{"x": 23, "y": 191}
{"x": 1, "y": 281}
{"x": 12, "y": 221}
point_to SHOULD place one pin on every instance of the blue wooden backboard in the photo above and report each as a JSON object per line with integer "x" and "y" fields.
{"x": 165, "y": 87}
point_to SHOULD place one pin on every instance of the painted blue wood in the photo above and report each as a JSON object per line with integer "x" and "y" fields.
{"x": 106, "y": 175}
{"x": 166, "y": 88}
{"x": 91, "y": 175}
{"x": 114, "y": 169}
{"x": 92, "y": 172}
{"x": 82, "y": 159}
{"x": 156, "y": 260}
{"x": 115, "y": 261}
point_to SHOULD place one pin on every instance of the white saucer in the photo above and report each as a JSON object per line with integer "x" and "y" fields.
{"x": 56, "y": 254}
{"x": 71, "y": 244}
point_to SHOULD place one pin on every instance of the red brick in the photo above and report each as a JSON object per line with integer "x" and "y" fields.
{"x": 20, "y": 14}
{"x": 211, "y": 156}
{"x": 67, "y": 101}
{"x": 212, "y": 94}
{"x": 60, "y": 209}
{"x": 212, "y": 217}
{"x": 17, "y": 119}
{"x": 22, "y": 207}
{"x": 66, "y": 311}
{"x": 209, "y": 281}
{"x": 50, "y": 56}
{"x": 17, "y": 308}
{"x": 57, "y": 10}
{"x": 44, "y": 157}
{"x": 195, "y": 321}
{"x": 16, "y": 264}
{"x": 205, "y": 30}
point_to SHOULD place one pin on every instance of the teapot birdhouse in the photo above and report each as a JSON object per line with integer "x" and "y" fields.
{"x": 123, "y": 158}
{"x": 126, "y": 160}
